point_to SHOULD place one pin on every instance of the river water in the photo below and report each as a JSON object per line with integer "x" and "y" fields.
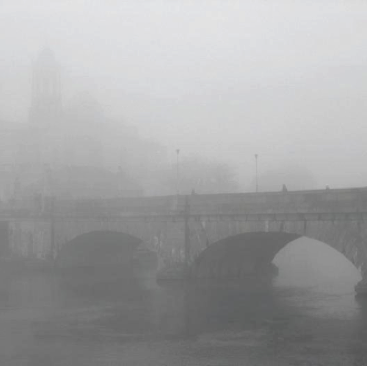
{"x": 47, "y": 319}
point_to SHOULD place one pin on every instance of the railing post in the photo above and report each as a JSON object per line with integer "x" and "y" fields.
{"x": 52, "y": 228}
{"x": 187, "y": 233}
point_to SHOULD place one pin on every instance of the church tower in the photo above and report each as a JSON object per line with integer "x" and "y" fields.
{"x": 46, "y": 104}
{"x": 42, "y": 140}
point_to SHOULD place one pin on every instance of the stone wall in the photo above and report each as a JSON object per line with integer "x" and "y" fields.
{"x": 335, "y": 217}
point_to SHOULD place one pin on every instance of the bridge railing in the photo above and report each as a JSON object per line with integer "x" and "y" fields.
{"x": 323, "y": 201}
{"x": 117, "y": 207}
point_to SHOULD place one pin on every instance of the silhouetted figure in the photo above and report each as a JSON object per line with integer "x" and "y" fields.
{"x": 327, "y": 187}
{"x": 284, "y": 188}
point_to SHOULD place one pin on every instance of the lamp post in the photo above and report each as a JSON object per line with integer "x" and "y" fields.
{"x": 256, "y": 177}
{"x": 177, "y": 172}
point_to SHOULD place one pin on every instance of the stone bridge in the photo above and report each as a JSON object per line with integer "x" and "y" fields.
{"x": 221, "y": 235}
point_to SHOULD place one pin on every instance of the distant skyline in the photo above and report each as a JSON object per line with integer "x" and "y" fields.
{"x": 221, "y": 79}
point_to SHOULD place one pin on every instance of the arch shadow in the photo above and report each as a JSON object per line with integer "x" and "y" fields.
{"x": 98, "y": 249}
{"x": 244, "y": 255}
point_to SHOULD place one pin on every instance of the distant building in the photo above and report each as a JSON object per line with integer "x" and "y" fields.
{"x": 63, "y": 150}
{"x": 46, "y": 103}
{"x": 72, "y": 149}
{"x": 83, "y": 182}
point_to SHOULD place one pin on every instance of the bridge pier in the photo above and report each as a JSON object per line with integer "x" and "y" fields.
{"x": 361, "y": 287}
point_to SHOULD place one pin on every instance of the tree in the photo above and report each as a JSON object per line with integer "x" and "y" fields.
{"x": 201, "y": 176}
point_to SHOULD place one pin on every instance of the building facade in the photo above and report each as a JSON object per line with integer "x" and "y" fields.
{"x": 62, "y": 151}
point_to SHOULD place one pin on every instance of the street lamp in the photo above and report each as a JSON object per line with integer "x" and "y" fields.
{"x": 256, "y": 177}
{"x": 177, "y": 172}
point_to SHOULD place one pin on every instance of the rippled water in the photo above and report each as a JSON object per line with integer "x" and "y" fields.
{"x": 46, "y": 319}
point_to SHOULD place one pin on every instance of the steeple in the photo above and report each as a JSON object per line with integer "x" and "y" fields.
{"x": 46, "y": 88}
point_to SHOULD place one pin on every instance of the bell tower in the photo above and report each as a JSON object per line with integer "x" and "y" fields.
{"x": 46, "y": 104}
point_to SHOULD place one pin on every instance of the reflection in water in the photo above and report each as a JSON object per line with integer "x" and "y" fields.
{"x": 359, "y": 336}
{"x": 80, "y": 319}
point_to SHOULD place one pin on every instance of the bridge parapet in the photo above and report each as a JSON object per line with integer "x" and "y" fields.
{"x": 302, "y": 202}
{"x": 331, "y": 201}
{"x": 339, "y": 201}
{"x": 130, "y": 206}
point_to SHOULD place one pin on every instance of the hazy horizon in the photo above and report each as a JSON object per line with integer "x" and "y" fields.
{"x": 220, "y": 79}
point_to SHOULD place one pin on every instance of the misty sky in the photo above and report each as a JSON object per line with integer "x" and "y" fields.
{"x": 226, "y": 79}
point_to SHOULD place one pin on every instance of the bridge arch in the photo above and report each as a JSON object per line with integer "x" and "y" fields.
{"x": 101, "y": 248}
{"x": 250, "y": 253}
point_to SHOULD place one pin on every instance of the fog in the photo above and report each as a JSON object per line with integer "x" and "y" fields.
{"x": 221, "y": 80}
{"x": 313, "y": 264}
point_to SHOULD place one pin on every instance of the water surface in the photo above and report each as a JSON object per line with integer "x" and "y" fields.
{"x": 46, "y": 319}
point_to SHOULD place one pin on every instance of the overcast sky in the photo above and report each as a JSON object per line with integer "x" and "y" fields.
{"x": 226, "y": 79}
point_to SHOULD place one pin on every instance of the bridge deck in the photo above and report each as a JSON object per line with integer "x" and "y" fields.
{"x": 328, "y": 204}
